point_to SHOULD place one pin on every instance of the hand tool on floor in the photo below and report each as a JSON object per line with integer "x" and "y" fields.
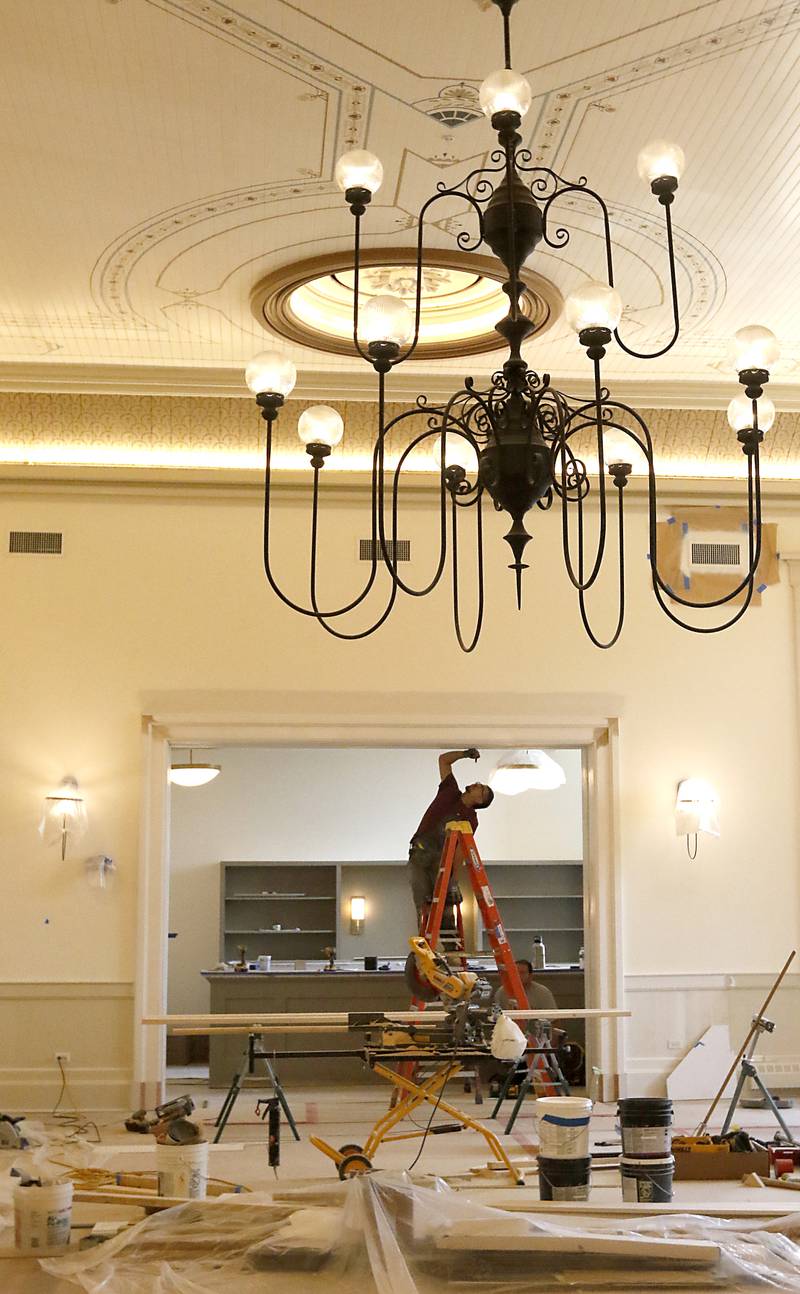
{"x": 170, "y": 1120}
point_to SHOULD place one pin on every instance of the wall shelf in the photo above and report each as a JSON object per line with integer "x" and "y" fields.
{"x": 278, "y": 885}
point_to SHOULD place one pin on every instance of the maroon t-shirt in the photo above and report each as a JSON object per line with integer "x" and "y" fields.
{"x": 446, "y": 807}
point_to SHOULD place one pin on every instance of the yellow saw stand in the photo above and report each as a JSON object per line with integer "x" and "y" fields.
{"x": 352, "y": 1159}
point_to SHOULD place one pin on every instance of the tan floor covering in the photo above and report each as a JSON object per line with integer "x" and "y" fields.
{"x": 345, "y": 1114}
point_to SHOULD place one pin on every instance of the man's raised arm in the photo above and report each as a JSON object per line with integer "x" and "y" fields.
{"x": 449, "y": 758}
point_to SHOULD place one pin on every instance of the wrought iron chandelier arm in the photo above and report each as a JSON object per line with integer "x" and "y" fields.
{"x": 467, "y": 647}
{"x": 676, "y": 316}
{"x": 755, "y": 532}
{"x": 295, "y": 606}
{"x": 561, "y": 235}
{"x": 463, "y": 238}
{"x": 596, "y": 423}
{"x": 322, "y": 617}
{"x": 356, "y": 271}
{"x": 621, "y": 583}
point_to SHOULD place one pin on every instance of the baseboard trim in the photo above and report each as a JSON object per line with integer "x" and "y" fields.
{"x": 36, "y": 1091}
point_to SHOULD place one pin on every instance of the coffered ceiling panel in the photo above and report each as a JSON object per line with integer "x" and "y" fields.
{"x": 163, "y": 156}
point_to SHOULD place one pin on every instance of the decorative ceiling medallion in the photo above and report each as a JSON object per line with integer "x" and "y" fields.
{"x": 311, "y": 301}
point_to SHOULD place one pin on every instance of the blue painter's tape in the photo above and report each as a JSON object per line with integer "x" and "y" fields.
{"x": 744, "y": 525}
{"x": 671, "y": 521}
{"x": 687, "y": 583}
{"x": 685, "y": 527}
{"x": 761, "y": 588}
{"x": 566, "y": 1123}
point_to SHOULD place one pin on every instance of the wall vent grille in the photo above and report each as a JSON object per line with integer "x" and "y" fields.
{"x": 716, "y": 554}
{"x": 36, "y": 541}
{"x": 398, "y": 549}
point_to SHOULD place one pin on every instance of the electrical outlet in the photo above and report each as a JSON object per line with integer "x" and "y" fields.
{"x": 62, "y": 1056}
{"x": 674, "y": 1045}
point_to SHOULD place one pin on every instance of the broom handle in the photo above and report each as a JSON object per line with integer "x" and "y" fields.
{"x": 746, "y": 1043}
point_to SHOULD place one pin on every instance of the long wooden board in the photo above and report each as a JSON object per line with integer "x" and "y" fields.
{"x": 269, "y": 1022}
{"x": 637, "y": 1248}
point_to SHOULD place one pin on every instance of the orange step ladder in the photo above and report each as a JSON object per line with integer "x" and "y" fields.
{"x": 460, "y": 848}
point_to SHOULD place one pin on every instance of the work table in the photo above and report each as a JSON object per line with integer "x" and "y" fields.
{"x": 290, "y": 990}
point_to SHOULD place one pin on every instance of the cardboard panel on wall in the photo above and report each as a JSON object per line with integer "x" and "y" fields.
{"x": 687, "y": 524}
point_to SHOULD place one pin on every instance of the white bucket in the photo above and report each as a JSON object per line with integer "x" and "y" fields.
{"x": 42, "y": 1217}
{"x": 563, "y": 1126}
{"x": 182, "y": 1170}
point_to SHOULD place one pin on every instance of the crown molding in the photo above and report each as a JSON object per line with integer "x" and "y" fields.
{"x": 346, "y": 384}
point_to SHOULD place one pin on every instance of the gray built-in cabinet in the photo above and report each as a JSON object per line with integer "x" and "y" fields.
{"x": 309, "y": 901}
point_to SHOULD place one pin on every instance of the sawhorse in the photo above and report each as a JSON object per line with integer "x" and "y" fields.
{"x": 247, "y": 1068}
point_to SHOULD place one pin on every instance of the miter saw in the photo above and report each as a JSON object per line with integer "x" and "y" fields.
{"x": 462, "y": 1035}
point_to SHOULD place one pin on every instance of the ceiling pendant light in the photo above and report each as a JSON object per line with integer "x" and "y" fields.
{"x": 192, "y": 774}
{"x": 526, "y": 770}
{"x": 528, "y": 444}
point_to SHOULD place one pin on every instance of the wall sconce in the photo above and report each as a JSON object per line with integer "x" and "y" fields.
{"x": 192, "y": 774}
{"x": 696, "y": 810}
{"x": 358, "y": 912}
{"x": 526, "y": 770}
{"x": 64, "y": 815}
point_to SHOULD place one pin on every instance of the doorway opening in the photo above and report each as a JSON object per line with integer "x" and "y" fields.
{"x": 269, "y": 861}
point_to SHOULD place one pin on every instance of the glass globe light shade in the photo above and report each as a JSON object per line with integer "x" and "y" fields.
{"x": 755, "y": 347}
{"x": 505, "y": 91}
{"x": 320, "y": 425}
{"x": 740, "y": 413}
{"x": 594, "y": 305}
{"x": 619, "y": 448}
{"x": 526, "y": 770}
{"x": 358, "y": 170}
{"x": 270, "y": 373}
{"x": 659, "y": 159}
{"x": 386, "y": 318}
{"x": 458, "y": 452}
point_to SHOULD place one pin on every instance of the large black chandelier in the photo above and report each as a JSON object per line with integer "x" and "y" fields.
{"x": 524, "y": 438}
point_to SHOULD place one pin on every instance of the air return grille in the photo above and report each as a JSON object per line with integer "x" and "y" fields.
{"x": 705, "y": 554}
{"x": 35, "y": 541}
{"x": 399, "y": 550}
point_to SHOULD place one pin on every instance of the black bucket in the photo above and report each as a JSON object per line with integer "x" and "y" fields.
{"x": 645, "y": 1124}
{"x": 564, "y": 1179}
{"x": 647, "y": 1181}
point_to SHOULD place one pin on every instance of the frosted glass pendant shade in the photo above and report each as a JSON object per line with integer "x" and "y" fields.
{"x": 386, "y": 318}
{"x": 594, "y": 305}
{"x": 755, "y": 347}
{"x": 505, "y": 91}
{"x": 458, "y": 452}
{"x": 660, "y": 159}
{"x": 526, "y": 770}
{"x": 740, "y": 413}
{"x": 270, "y": 373}
{"x": 192, "y": 774}
{"x": 320, "y": 425}
{"x": 358, "y": 170}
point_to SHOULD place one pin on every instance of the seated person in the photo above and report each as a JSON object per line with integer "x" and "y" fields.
{"x": 538, "y": 995}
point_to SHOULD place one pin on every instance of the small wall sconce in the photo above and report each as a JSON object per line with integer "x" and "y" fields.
{"x": 358, "y": 912}
{"x": 64, "y": 815}
{"x": 696, "y": 810}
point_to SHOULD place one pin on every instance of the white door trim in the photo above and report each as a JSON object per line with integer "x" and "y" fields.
{"x": 319, "y": 720}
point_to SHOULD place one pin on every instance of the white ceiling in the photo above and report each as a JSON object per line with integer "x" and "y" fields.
{"x": 162, "y": 156}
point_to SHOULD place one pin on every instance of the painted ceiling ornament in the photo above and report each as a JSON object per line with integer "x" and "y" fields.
{"x": 521, "y": 443}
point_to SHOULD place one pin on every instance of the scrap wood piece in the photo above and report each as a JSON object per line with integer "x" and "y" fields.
{"x": 518, "y": 1202}
{"x": 701, "y": 1253}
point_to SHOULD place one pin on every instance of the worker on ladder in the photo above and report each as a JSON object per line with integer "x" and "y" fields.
{"x": 425, "y": 853}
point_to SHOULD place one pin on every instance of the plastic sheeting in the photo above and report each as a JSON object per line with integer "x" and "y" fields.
{"x": 380, "y": 1233}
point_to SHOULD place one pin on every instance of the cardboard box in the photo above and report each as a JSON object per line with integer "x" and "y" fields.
{"x": 715, "y": 1164}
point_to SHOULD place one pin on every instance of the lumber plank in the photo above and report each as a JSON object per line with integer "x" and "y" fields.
{"x": 637, "y": 1248}
{"x": 269, "y": 1021}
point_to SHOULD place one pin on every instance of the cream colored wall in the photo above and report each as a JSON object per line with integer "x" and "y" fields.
{"x": 168, "y": 595}
{"x": 335, "y": 806}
